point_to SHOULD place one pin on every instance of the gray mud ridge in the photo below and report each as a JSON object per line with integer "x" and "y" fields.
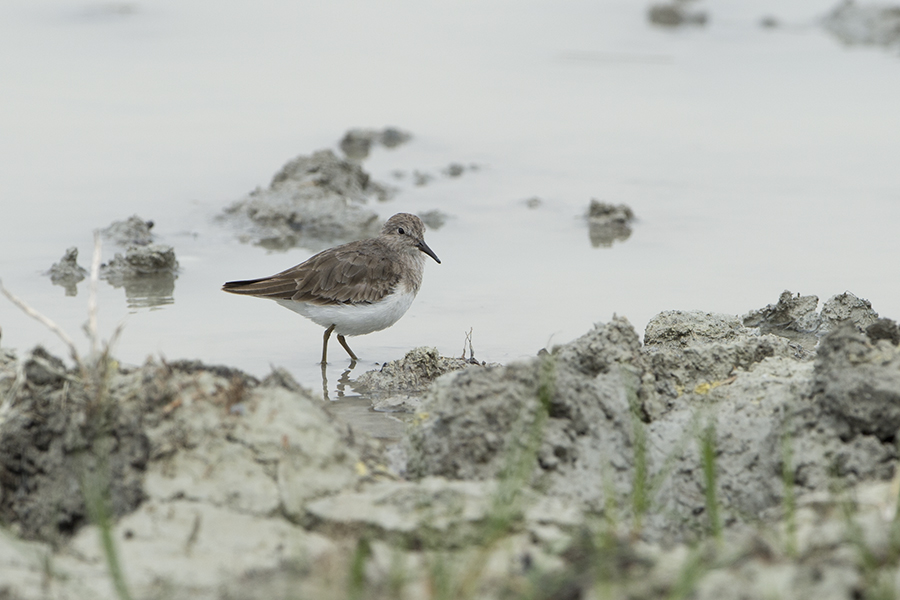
{"x": 147, "y": 273}
{"x": 357, "y": 143}
{"x": 312, "y": 201}
{"x": 616, "y": 403}
{"x": 866, "y": 24}
{"x": 67, "y": 272}
{"x": 608, "y": 223}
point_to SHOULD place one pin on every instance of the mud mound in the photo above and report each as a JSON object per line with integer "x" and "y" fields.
{"x": 479, "y": 419}
{"x": 859, "y": 382}
{"x": 312, "y": 201}
{"x": 67, "y": 272}
{"x": 133, "y": 231}
{"x": 631, "y": 426}
{"x": 412, "y": 373}
{"x": 796, "y": 317}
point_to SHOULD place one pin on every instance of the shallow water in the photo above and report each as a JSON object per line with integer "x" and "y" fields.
{"x": 756, "y": 160}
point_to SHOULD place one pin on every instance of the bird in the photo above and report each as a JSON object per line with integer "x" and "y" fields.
{"x": 355, "y": 288}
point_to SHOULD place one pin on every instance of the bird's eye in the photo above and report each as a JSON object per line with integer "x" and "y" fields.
{"x": 400, "y": 231}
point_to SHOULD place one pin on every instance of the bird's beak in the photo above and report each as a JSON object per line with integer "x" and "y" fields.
{"x": 424, "y": 248}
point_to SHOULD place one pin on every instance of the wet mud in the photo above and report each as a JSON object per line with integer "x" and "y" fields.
{"x": 67, "y": 273}
{"x": 313, "y": 201}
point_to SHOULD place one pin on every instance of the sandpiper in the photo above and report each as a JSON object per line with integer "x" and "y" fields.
{"x": 355, "y": 288}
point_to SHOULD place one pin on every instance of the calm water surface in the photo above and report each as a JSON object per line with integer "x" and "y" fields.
{"x": 756, "y": 160}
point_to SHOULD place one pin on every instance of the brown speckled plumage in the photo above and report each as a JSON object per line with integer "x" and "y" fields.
{"x": 359, "y": 273}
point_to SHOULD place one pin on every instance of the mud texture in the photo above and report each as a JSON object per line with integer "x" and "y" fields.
{"x": 615, "y": 408}
{"x": 412, "y": 373}
{"x": 357, "y": 143}
{"x": 398, "y": 386}
{"x": 608, "y": 223}
{"x": 67, "y": 272}
{"x": 796, "y": 317}
{"x": 712, "y": 461}
{"x": 133, "y": 231}
{"x": 313, "y": 201}
{"x": 147, "y": 273}
{"x": 200, "y": 464}
{"x": 864, "y": 24}
{"x": 57, "y": 439}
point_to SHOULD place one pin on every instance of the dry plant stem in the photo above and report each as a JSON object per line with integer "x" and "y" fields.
{"x": 92, "y": 296}
{"x": 46, "y": 322}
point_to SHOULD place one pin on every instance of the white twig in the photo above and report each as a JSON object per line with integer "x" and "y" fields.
{"x": 46, "y": 322}
{"x": 93, "y": 334}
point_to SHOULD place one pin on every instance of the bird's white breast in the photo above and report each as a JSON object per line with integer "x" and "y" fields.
{"x": 356, "y": 319}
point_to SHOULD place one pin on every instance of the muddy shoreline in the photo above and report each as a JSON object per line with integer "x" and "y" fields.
{"x": 608, "y": 461}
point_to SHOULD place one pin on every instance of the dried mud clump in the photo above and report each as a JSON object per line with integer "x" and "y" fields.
{"x": 58, "y": 438}
{"x": 478, "y": 418}
{"x": 412, "y": 373}
{"x": 859, "y": 381}
{"x": 617, "y": 419}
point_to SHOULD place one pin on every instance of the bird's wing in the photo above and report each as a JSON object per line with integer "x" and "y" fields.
{"x": 356, "y": 272}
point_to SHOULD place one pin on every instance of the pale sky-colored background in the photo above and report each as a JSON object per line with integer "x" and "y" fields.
{"x": 756, "y": 160}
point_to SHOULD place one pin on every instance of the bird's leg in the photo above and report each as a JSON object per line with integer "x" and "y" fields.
{"x": 346, "y": 347}
{"x": 325, "y": 343}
